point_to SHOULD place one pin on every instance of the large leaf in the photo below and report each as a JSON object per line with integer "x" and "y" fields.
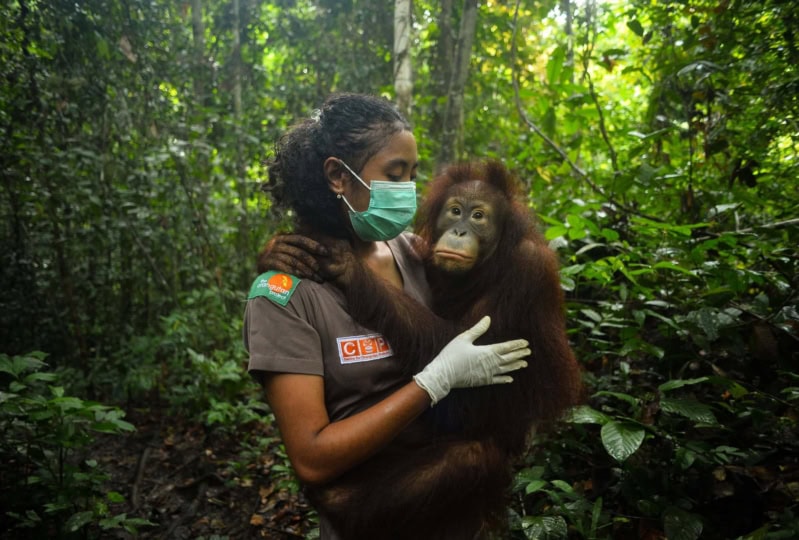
{"x": 586, "y": 415}
{"x": 78, "y": 520}
{"x": 635, "y": 26}
{"x": 681, "y": 525}
{"x": 689, "y": 408}
{"x": 544, "y": 527}
{"x": 622, "y": 439}
{"x": 632, "y": 400}
{"x": 555, "y": 65}
{"x": 679, "y": 383}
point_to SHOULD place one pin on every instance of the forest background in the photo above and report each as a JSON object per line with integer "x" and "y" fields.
{"x": 659, "y": 142}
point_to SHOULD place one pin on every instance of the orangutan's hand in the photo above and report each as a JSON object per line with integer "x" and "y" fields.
{"x": 340, "y": 266}
{"x": 293, "y": 254}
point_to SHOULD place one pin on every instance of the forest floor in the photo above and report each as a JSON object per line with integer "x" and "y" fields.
{"x": 194, "y": 483}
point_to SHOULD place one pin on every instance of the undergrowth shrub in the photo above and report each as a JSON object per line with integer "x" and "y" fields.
{"x": 691, "y": 427}
{"x": 51, "y": 488}
{"x": 192, "y": 363}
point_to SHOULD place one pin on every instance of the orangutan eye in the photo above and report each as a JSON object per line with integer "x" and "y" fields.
{"x": 455, "y": 211}
{"x": 478, "y": 215}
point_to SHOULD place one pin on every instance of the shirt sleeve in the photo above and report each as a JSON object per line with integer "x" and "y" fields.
{"x": 279, "y": 340}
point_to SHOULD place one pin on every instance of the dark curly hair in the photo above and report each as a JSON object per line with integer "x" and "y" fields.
{"x": 352, "y": 127}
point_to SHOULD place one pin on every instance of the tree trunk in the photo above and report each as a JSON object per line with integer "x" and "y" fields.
{"x": 442, "y": 68}
{"x": 241, "y": 176}
{"x": 237, "y": 62}
{"x": 452, "y": 122}
{"x": 568, "y": 29}
{"x": 403, "y": 82}
{"x": 198, "y": 33}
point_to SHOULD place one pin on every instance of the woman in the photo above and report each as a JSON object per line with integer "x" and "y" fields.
{"x": 336, "y": 390}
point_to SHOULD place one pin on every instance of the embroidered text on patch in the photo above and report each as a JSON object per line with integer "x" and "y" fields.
{"x": 363, "y": 348}
{"x": 276, "y": 286}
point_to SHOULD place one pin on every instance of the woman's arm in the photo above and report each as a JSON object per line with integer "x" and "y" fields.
{"x": 320, "y": 450}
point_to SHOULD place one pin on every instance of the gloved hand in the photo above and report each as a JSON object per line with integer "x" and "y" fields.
{"x": 462, "y": 364}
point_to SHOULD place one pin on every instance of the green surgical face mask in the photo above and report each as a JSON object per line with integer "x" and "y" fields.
{"x": 392, "y": 206}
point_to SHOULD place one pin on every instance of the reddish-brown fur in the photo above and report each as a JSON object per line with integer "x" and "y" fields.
{"x": 452, "y": 479}
{"x": 519, "y": 287}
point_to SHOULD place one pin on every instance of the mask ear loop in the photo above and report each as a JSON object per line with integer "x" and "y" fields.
{"x": 342, "y": 197}
{"x": 355, "y": 175}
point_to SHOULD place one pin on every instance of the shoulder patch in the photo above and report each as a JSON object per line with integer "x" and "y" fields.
{"x": 277, "y": 286}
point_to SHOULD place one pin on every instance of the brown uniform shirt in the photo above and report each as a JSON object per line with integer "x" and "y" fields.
{"x": 313, "y": 334}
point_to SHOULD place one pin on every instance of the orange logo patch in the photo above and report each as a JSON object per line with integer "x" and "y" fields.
{"x": 363, "y": 348}
{"x": 280, "y": 283}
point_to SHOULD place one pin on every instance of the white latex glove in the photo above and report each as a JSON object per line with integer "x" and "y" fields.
{"x": 462, "y": 364}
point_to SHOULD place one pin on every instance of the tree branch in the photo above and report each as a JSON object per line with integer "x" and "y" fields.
{"x": 595, "y": 97}
{"x": 552, "y": 144}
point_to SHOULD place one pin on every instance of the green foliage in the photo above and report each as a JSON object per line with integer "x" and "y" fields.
{"x": 686, "y": 350}
{"x": 50, "y": 487}
{"x": 212, "y": 386}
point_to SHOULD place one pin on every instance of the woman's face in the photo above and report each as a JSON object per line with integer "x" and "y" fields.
{"x": 395, "y": 162}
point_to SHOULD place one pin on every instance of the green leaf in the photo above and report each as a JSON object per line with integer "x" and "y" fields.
{"x": 679, "y": 383}
{"x": 646, "y": 173}
{"x": 102, "y": 48}
{"x": 734, "y": 388}
{"x": 708, "y": 321}
{"x": 623, "y": 183}
{"x": 112, "y": 522}
{"x": 40, "y": 376}
{"x": 671, "y": 266}
{"x": 68, "y": 403}
{"x": 555, "y": 65}
{"x": 565, "y": 487}
{"x": 681, "y": 525}
{"x": 632, "y": 400}
{"x": 610, "y": 235}
{"x": 548, "y": 122}
{"x": 115, "y": 497}
{"x": 596, "y": 514}
{"x": 19, "y": 364}
{"x": 588, "y": 247}
{"x": 534, "y": 486}
{"x": 556, "y": 231}
{"x": 636, "y": 27}
{"x": 684, "y": 457}
{"x": 33, "y": 516}
{"x": 689, "y": 408}
{"x": 586, "y": 415}
{"x": 700, "y": 66}
{"x": 591, "y": 314}
{"x": 76, "y": 521}
{"x": 106, "y": 427}
{"x": 567, "y": 283}
{"x": 622, "y": 439}
{"x": 527, "y": 476}
{"x": 544, "y": 527}
{"x": 576, "y": 234}
{"x": 131, "y": 524}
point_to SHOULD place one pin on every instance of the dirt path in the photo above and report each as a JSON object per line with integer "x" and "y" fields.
{"x": 195, "y": 483}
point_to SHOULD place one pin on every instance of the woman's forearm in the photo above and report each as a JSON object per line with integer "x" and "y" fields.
{"x": 321, "y": 450}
